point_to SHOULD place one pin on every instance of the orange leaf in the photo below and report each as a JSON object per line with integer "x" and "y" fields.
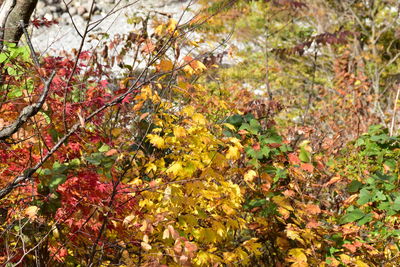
{"x": 332, "y": 181}
{"x": 350, "y": 247}
{"x": 111, "y": 152}
{"x": 313, "y": 209}
{"x": 312, "y": 224}
{"x": 307, "y": 167}
{"x": 294, "y": 159}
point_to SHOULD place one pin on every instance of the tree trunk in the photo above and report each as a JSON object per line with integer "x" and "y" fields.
{"x": 5, "y": 11}
{"x": 22, "y": 10}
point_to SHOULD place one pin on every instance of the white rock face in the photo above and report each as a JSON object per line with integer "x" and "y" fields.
{"x": 64, "y": 36}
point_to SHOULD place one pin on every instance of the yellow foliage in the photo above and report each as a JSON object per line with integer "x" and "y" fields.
{"x": 179, "y": 132}
{"x": 31, "y": 212}
{"x": 156, "y": 140}
{"x": 233, "y": 153}
{"x": 165, "y": 65}
{"x": 172, "y": 24}
{"x": 298, "y": 257}
{"x": 250, "y": 175}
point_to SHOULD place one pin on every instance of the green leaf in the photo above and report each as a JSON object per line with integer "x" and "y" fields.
{"x": 379, "y": 195}
{"x": 396, "y": 204}
{"x": 354, "y": 186}
{"x": 265, "y": 151}
{"x": 365, "y": 197}
{"x": 304, "y": 155}
{"x": 59, "y": 168}
{"x": 57, "y": 180}
{"x": 385, "y": 206}
{"x": 104, "y": 148}
{"x": 46, "y": 117}
{"x": 274, "y": 139}
{"x": 255, "y": 203}
{"x": 352, "y": 216}
{"x": 3, "y": 57}
{"x": 235, "y": 120}
{"x": 95, "y": 158}
{"x": 391, "y": 163}
{"x": 366, "y": 219}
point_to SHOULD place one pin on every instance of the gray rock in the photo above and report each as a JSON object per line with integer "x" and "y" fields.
{"x": 73, "y": 11}
{"x": 81, "y": 10}
{"x": 48, "y": 16}
{"x": 40, "y": 6}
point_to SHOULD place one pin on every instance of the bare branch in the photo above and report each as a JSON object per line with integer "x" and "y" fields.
{"x": 27, "y": 112}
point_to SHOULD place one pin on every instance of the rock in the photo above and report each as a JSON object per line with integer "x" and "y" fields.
{"x": 48, "y": 16}
{"x": 81, "y": 10}
{"x": 73, "y": 11}
{"x": 40, "y": 5}
{"x": 65, "y": 19}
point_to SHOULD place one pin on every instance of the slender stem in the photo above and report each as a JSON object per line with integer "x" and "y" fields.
{"x": 394, "y": 110}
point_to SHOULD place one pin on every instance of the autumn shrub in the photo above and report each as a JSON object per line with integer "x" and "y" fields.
{"x": 178, "y": 162}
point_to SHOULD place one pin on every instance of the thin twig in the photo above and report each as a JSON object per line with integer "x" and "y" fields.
{"x": 394, "y": 110}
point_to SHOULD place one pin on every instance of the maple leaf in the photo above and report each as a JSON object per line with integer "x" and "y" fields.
{"x": 250, "y": 175}
{"x": 350, "y": 247}
{"x": 172, "y": 24}
{"x": 179, "y": 132}
{"x": 307, "y": 167}
{"x": 298, "y": 257}
{"x": 156, "y": 140}
{"x": 198, "y": 118}
{"x": 312, "y": 224}
{"x": 233, "y": 153}
{"x": 165, "y": 65}
{"x": 32, "y": 212}
{"x": 175, "y": 168}
{"x": 313, "y": 209}
{"x": 294, "y": 159}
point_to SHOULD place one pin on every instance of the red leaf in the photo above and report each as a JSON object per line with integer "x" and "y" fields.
{"x": 256, "y": 146}
{"x": 307, "y": 167}
{"x": 312, "y": 224}
{"x": 294, "y": 159}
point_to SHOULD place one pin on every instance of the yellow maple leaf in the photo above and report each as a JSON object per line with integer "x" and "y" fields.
{"x": 165, "y": 65}
{"x": 159, "y": 30}
{"x": 346, "y": 259}
{"x": 156, "y": 140}
{"x": 229, "y": 126}
{"x": 166, "y": 234}
{"x": 360, "y": 263}
{"x": 283, "y": 202}
{"x": 298, "y": 257}
{"x": 175, "y": 168}
{"x": 252, "y": 246}
{"x": 31, "y": 212}
{"x": 233, "y": 153}
{"x": 116, "y": 132}
{"x": 179, "y": 132}
{"x": 199, "y": 119}
{"x": 198, "y": 66}
{"x": 250, "y": 175}
{"x": 171, "y": 27}
{"x": 227, "y": 209}
{"x": 145, "y": 246}
{"x": 128, "y": 219}
{"x": 188, "y": 70}
{"x": 188, "y": 111}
